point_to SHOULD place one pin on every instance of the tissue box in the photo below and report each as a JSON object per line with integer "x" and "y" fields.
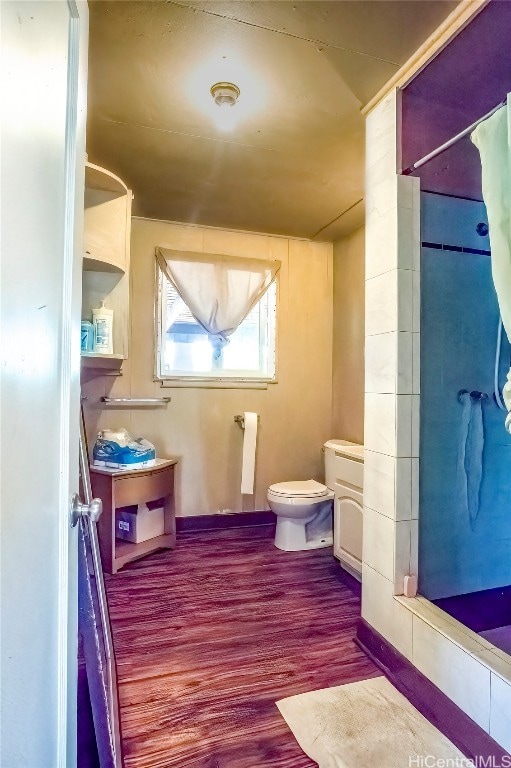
{"x": 140, "y": 523}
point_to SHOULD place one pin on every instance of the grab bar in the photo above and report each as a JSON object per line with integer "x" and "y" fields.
{"x": 136, "y": 402}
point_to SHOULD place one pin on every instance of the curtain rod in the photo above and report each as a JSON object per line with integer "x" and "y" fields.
{"x": 454, "y": 140}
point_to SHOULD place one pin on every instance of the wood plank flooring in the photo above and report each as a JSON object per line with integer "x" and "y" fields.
{"x": 210, "y": 635}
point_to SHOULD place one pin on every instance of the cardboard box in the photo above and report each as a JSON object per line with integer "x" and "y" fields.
{"x": 139, "y": 524}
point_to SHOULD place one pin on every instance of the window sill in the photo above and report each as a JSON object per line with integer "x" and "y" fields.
{"x": 214, "y": 383}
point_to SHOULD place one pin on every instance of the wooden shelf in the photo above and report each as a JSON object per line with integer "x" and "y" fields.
{"x": 92, "y": 264}
{"x": 126, "y": 551}
{"x": 100, "y": 178}
{"x": 96, "y": 360}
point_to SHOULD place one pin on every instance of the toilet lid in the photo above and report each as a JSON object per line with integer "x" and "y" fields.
{"x": 307, "y": 488}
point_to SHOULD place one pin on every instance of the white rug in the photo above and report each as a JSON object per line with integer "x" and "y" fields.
{"x": 366, "y": 725}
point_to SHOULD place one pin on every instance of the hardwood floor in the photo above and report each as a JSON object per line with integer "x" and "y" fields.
{"x": 209, "y": 636}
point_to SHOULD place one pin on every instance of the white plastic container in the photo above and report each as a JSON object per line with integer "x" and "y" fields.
{"x": 103, "y": 320}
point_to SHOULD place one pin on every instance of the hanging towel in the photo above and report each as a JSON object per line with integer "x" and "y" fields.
{"x": 461, "y": 474}
{"x": 470, "y": 457}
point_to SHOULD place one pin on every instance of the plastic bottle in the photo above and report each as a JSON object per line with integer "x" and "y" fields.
{"x": 87, "y": 336}
{"x": 102, "y": 319}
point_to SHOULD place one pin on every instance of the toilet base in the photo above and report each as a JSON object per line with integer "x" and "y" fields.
{"x": 296, "y": 535}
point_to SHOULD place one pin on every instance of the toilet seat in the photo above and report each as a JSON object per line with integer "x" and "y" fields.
{"x": 306, "y": 489}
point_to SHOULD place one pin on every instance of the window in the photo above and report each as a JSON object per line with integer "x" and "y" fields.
{"x": 185, "y": 350}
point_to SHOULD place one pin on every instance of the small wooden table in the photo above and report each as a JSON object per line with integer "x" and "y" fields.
{"x": 123, "y": 487}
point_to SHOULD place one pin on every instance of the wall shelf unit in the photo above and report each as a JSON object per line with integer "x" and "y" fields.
{"x": 107, "y": 229}
{"x": 95, "y": 360}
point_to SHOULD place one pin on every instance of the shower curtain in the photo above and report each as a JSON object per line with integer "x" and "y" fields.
{"x": 493, "y": 140}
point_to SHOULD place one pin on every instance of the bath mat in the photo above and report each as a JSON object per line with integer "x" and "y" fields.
{"x": 366, "y": 725}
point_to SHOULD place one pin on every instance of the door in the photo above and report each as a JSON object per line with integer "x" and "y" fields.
{"x": 348, "y": 525}
{"x": 44, "y": 60}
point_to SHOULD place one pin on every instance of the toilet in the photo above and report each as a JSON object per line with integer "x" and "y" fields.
{"x": 304, "y": 510}
{"x": 304, "y": 514}
{"x": 307, "y": 511}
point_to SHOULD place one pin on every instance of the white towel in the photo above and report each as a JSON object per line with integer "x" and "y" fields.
{"x": 474, "y": 460}
{"x": 470, "y": 457}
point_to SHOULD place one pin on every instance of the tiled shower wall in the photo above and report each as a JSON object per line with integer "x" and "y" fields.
{"x": 391, "y": 380}
{"x": 462, "y": 665}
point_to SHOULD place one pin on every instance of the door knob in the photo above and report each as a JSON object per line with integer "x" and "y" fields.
{"x": 79, "y": 509}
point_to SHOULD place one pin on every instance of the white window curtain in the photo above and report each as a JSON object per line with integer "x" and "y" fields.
{"x": 219, "y": 290}
{"x": 493, "y": 140}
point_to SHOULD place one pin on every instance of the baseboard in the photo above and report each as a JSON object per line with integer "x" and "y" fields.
{"x": 349, "y": 580}
{"x": 429, "y": 700}
{"x": 219, "y": 522}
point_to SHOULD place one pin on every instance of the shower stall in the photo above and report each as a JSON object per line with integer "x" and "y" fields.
{"x": 465, "y": 450}
{"x": 464, "y": 496}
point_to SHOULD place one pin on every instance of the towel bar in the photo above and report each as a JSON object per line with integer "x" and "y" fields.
{"x": 136, "y": 402}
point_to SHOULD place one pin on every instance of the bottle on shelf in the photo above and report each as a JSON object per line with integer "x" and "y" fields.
{"x": 102, "y": 320}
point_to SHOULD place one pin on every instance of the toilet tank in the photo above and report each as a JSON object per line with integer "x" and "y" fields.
{"x": 344, "y": 462}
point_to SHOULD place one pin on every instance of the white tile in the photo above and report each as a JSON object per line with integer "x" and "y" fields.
{"x": 378, "y": 543}
{"x": 381, "y": 362}
{"x": 388, "y": 424}
{"x": 498, "y": 665}
{"x": 458, "y": 674}
{"x": 381, "y": 251}
{"x": 415, "y": 489}
{"x": 500, "y": 718}
{"x": 498, "y": 651}
{"x": 453, "y": 630}
{"x": 402, "y": 544}
{"x": 404, "y": 425}
{"x": 384, "y": 613}
{"x": 414, "y": 547}
{"x": 380, "y": 159}
{"x": 380, "y": 423}
{"x": 405, "y": 192}
{"x": 379, "y": 482}
{"x": 405, "y": 300}
{"x": 416, "y": 301}
{"x": 381, "y": 144}
{"x": 389, "y": 302}
{"x": 416, "y": 232}
{"x": 405, "y": 237}
{"x": 381, "y": 307}
{"x": 416, "y": 363}
{"x": 381, "y": 193}
{"x": 416, "y": 184}
{"x": 404, "y": 384}
{"x": 415, "y": 423}
{"x": 387, "y": 485}
{"x": 403, "y": 509}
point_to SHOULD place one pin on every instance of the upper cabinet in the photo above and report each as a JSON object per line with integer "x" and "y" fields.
{"x": 106, "y": 259}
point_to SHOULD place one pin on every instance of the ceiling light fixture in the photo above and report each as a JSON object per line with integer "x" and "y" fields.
{"x": 225, "y": 94}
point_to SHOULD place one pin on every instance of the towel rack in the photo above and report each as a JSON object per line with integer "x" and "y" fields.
{"x": 136, "y": 402}
{"x": 474, "y": 395}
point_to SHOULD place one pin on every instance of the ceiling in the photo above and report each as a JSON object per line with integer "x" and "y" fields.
{"x": 294, "y": 162}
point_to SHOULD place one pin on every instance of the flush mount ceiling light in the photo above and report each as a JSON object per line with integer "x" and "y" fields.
{"x": 225, "y": 94}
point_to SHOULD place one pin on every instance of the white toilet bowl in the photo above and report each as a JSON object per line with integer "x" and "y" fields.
{"x": 304, "y": 514}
